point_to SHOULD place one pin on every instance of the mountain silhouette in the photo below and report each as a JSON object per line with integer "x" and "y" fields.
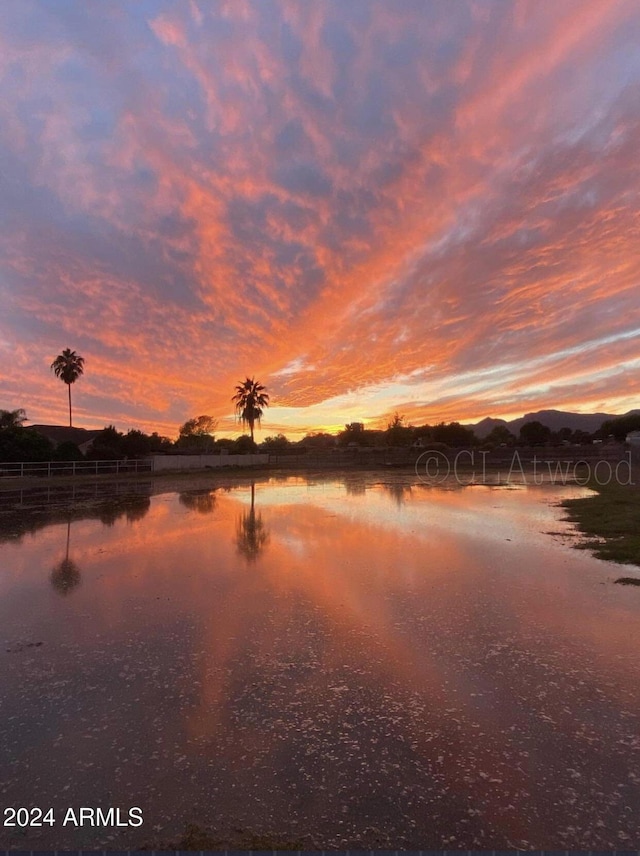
{"x": 553, "y": 419}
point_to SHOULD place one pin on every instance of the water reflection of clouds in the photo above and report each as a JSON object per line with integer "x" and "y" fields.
{"x": 480, "y": 511}
{"x": 353, "y": 625}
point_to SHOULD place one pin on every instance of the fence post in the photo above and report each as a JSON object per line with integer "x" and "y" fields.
{"x": 117, "y": 467}
{"x": 73, "y": 468}
{"x": 49, "y": 469}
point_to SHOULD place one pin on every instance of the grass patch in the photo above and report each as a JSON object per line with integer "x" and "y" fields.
{"x": 628, "y": 581}
{"x": 610, "y": 520}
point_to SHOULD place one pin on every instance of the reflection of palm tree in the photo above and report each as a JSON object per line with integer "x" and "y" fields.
{"x": 66, "y": 574}
{"x": 202, "y": 501}
{"x": 251, "y": 534}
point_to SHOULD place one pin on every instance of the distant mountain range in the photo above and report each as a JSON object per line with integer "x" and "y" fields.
{"x": 553, "y": 419}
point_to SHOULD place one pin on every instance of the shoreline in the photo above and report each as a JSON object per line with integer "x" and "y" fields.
{"x": 168, "y": 481}
{"x": 608, "y": 520}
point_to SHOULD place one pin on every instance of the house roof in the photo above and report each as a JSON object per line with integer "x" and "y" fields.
{"x": 63, "y": 433}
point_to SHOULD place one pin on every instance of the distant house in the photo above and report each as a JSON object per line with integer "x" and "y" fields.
{"x": 633, "y": 438}
{"x": 82, "y": 437}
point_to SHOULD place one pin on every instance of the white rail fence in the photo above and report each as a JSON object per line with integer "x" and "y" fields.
{"x": 157, "y": 463}
{"x": 73, "y": 468}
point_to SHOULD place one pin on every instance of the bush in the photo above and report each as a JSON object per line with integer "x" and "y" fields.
{"x": 196, "y": 444}
{"x": 68, "y": 451}
{"x": 277, "y": 445}
{"x": 24, "y": 444}
{"x": 454, "y": 435}
{"x": 107, "y": 446}
{"x": 244, "y": 445}
{"x": 535, "y": 434}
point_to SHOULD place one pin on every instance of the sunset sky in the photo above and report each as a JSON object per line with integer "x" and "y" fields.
{"x": 425, "y": 207}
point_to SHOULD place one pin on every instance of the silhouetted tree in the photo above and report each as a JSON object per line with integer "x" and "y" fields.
{"x": 498, "y": 435}
{"x": 454, "y": 435}
{"x": 620, "y": 427}
{"x": 21, "y": 444}
{"x": 226, "y": 444}
{"x": 564, "y": 436}
{"x": 535, "y": 434}
{"x": 250, "y": 400}
{"x": 10, "y": 419}
{"x": 319, "y": 440}
{"x": 158, "y": 443}
{"x": 276, "y": 445}
{"x": 243, "y": 445}
{"x": 397, "y": 433}
{"x": 196, "y": 435}
{"x": 107, "y": 446}
{"x": 135, "y": 444}
{"x": 199, "y": 425}
{"x": 353, "y": 433}
{"x": 68, "y": 366}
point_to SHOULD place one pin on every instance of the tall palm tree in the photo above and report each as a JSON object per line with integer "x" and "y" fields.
{"x": 68, "y": 366}
{"x": 250, "y": 399}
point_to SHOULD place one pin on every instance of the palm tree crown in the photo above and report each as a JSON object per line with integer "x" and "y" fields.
{"x": 250, "y": 399}
{"x": 68, "y": 366}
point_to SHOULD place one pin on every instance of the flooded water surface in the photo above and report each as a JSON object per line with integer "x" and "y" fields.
{"x": 337, "y": 663}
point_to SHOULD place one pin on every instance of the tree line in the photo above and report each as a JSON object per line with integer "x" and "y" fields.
{"x": 197, "y": 435}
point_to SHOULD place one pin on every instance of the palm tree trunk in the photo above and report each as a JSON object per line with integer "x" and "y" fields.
{"x": 251, "y": 428}
{"x": 69, "y": 387}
